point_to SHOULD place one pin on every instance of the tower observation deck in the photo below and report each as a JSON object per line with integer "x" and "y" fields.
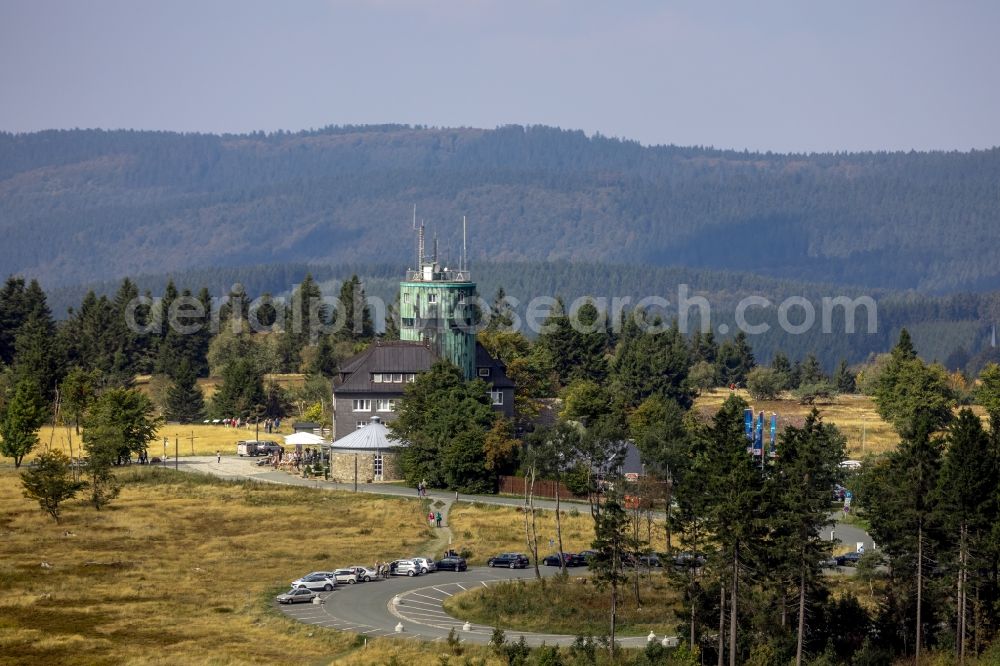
{"x": 436, "y": 306}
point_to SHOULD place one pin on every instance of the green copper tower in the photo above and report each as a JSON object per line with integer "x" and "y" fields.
{"x": 435, "y": 305}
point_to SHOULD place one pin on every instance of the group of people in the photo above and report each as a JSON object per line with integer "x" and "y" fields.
{"x": 272, "y": 425}
{"x": 384, "y": 569}
{"x": 422, "y": 489}
{"x": 434, "y": 518}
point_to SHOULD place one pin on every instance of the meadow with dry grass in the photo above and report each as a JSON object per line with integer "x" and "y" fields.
{"x": 487, "y": 530}
{"x": 181, "y": 569}
{"x": 855, "y": 415}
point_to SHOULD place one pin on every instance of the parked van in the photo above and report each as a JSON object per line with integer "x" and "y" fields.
{"x": 253, "y": 447}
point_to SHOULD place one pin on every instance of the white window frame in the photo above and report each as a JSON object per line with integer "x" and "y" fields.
{"x": 378, "y": 467}
{"x": 385, "y": 405}
{"x": 410, "y": 378}
{"x": 376, "y": 377}
{"x": 358, "y": 425}
{"x": 397, "y": 378}
{"x": 361, "y": 405}
{"x": 484, "y": 372}
{"x": 496, "y": 397}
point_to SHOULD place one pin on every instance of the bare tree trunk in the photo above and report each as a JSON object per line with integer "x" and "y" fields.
{"x": 802, "y": 617}
{"x": 614, "y": 616}
{"x": 722, "y": 622}
{"x": 527, "y": 528}
{"x": 732, "y": 605}
{"x": 691, "y": 595}
{"x": 963, "y": 556}
{"x": 534, "y": 533}
{"x": 920, "y": 587}
{"x": 562, "y": 562}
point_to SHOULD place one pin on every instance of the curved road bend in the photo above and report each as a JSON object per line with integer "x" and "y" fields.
{"x": 376, "y": 608}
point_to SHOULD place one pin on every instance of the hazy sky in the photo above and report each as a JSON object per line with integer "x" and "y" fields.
{"x": 767, "y": 75}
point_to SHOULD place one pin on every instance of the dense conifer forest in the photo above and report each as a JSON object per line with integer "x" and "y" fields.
{"x": 84, "y": 205}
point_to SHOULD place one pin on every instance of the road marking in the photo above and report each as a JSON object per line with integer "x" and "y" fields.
{"x": 484, "y": 584}
{"x": 425, "y": 596}
{"x": 462, "y": 586}
{"x": 442, "y": 591}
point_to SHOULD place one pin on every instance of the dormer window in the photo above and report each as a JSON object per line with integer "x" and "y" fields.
{"x": 432, "y": 298}
{"x": 484, "y": 372}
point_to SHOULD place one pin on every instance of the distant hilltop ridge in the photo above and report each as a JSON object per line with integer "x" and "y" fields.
{"x": 86, "y": 205}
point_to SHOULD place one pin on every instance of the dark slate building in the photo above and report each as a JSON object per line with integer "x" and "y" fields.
{"x": 372, "y": 383}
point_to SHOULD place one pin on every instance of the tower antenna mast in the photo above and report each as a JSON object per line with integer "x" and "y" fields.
{"x": 465, "y": 256}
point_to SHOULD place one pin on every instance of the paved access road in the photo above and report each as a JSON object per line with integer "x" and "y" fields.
{"x": 376, "y": 608}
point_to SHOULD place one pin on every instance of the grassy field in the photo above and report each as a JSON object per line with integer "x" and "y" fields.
{"x": 195, "y": 439}
{"x": 568, "y": 605}
{"x": 487, "y": 530}
{"x": 181, "y": 569}
{"x": 855, "y": 415}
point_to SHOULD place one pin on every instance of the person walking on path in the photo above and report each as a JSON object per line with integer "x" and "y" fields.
{"x": 430, "y": 518}
{"x": 437, "y": 518}
{"x": 218, "y": 457}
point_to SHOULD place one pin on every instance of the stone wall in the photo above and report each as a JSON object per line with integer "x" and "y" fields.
{"x": 342, "y": 467}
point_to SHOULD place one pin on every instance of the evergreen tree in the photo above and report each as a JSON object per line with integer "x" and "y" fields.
{"x": 902, "y": 507}
{"x": 13, "y": 313}
{"x": 735, "y": 498}
{"x": 844, "y": 380}
{"x": 783, "y": 367}
{"x": 185, "y": 399}
{"x": 38, "y": 357}
{"x": 325, "y": 362}
{"x": 648, "y": 364}
{"x": 812, "y": 371}
{"x": 735, "y": 360}
{"x": 22, "y": 416}
{"x": 575, "y": 354}
{"x": 50, "y": 482}
{"x": 354, "y": 313}
{"x": 970, "y": 476}
{"x": 800, "y": 487}
{"x": 241, "y": 394}
{"x": 501, "y": 313}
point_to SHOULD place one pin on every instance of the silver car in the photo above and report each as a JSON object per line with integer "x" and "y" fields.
{"x": 296, "y": 596}
{"x": 365, "y": 574}
{"x": 405, "y": 568}
{"x": 349, "y": 576}
{"x": 317, "y": 580}
{"x": 425, "y": 564}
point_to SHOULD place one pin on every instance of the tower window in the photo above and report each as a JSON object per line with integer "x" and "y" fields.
{"x": 497, "y": 397}
{"x": 432, "y": 298}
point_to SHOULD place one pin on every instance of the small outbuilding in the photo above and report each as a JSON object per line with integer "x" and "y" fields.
{"x": 370, "y": 452}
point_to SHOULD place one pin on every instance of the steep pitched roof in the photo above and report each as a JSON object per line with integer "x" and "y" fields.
{"x": 398, "y": 356}
{"x": 498, "y": 371}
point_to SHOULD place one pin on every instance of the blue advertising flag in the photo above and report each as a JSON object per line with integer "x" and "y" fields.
{"x": 748, "y": 422}
{"x": 774, "y": 432}
{"x": 758, "y": 440}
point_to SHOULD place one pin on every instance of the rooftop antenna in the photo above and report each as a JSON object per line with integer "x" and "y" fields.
{"x": 465, "y": 257}
{"x": 420, "y": 246}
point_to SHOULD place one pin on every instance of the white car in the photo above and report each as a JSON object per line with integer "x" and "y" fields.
{"x": 425, "y": 564}
{"x": 349, "y": 576}
{"x": 365, "y": 574}
{"x": 404, "y": 568}
{"x": 317, "y": 580}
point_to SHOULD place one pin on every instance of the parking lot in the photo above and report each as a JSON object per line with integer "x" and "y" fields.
{"x": 376, "y": 608}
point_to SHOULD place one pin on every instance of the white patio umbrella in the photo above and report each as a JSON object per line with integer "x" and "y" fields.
{"x": 306, "y": 438}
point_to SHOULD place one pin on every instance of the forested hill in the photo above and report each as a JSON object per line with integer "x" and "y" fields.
{"x": 89, "y": 205}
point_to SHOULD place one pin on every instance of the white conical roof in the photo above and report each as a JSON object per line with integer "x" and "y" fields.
{"x": 373, "y": 436}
